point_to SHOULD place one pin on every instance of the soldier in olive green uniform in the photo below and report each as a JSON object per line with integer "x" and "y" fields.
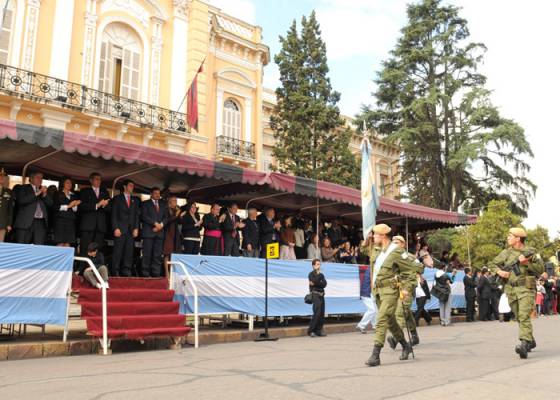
{"x": 409, "y": 284}
{"x": 520, "y": 288}
{"x": 388, "y": 267}
{"x": 6, "y": 207}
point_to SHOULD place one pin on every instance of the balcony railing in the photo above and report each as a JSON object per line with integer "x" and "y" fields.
{"x": 46, "y": 89}
{"x": 235, "y": 147}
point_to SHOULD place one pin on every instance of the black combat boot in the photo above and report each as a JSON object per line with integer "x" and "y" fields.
{"x": 406, "y": 349}
{"x": 532, "y": 345}
{"x": 392, "y": 342}
{"x": 374, "y": 360}
{"x": 522, "y": 349}
{"x": 415, "y": 338}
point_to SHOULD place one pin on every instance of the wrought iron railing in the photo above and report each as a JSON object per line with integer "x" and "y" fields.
{"x": 46, "y": 89}
{"x": 235, "y": 147}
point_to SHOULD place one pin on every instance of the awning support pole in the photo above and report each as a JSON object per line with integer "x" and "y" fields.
{"x": 26, "y": 166}
{"x": 118, "y": 178}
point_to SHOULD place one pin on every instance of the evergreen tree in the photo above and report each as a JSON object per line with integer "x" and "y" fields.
{"x": 431, "y": 99}
{"x": 311, "y": 140}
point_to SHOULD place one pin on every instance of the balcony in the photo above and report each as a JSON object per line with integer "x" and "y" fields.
{"x": 235, "y": 149}
{"x": 48, "y": 90}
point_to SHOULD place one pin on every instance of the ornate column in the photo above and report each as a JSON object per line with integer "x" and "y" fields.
{"x": 157, "y": 44}
{"x": 30, "y": 36}
{"x": 219, "y": 111}
{"x": 179, "y": 51}
{"x": 248, "y": 119}
{"x": 90, "y": 24}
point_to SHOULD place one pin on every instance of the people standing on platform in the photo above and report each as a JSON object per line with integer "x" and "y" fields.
{"x": 153, "y": 215}
{"x": 98, "y": 261}
{"x": 442, "y": 288}
{"x": 7, "y": 202}
{"x": 388, "y": 267}
{"x": 371, "y": 310}
{"x": 231, "y": 225}
{"x": 32, "y": 217}
{"x": 317, "y": 285}
{"x": 484, "y": 294}
{"x": 347, "y": 253}
{"x": 314, "y": 248}
{"x": 212, "y": 244}
{"x": 287, "y": 240}
{"x": 328, "y": 253}
{"x": 125, "y": 219}
{"x": 250, "y": 233}
{"x": 470, "y": 293}
{"x": 422, "y": 293}
{"x": 299, "y": 234}
{"x": 171, "y": 233}
{"x": 65, "y": 213}
{"x": 191, "y": 225}
{"x": 93, "y": 211}
{"x": 520, "y": 289}
{"x": 269, "y": 229}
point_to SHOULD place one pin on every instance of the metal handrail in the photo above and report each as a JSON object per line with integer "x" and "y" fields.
{"x": 195, "y": 293}
{"x": 104, "y": 287}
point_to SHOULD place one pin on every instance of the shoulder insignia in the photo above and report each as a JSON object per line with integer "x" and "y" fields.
{"x": 538, "y": 256}
{"x": 404, "y": 255}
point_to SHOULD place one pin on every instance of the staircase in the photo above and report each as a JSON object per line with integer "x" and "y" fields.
{"x": 137, "y": 308}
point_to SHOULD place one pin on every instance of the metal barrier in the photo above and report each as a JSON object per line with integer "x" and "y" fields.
{"x": 195, "y": 294}
{"x": 104, "y": 286}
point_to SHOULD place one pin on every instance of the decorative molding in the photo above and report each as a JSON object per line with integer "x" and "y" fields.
{"x": 30, "y": 37}
{"x": 175, "y": 143}
{"x": 90, "y": 21}
{"x": 55, "y": 119}
{"x": 94, "y": 124}
{"x": 15, "y": 106}
{"x": 247, "y": 81}
{"x": 134, "y": 8}
{"x": 123, "y": 129}
{"x": 181, "y": 8}
{"x": 221, "y": 54}
{"x": 157, "y": 45}
{"x": 219, "y": 110}
{"x": 147, "y": 136}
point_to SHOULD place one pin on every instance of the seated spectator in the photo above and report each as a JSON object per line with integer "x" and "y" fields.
{"x": 328, "y": 254}
{"x": 97, "y": 259}
{"x": 314, "y": 249}
{"x": 347, "y": 254}
{"x": 287, "y": 240}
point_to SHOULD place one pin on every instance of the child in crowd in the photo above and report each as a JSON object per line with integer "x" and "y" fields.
{"x": 97, "y": 259}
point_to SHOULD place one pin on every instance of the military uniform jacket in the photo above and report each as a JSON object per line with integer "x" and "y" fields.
{"x": 525, "y": 283}
{"x": 6, "y": 207}
{"x": 397, "y": 264}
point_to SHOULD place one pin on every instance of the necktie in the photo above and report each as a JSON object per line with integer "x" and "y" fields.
{"x": 96, "y": 190}
{"x": 38, "y": 210}
{"x": 128, "y": 201}
{"x": 156, "y": 203}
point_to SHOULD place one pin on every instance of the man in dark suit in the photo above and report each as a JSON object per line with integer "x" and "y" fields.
{"x": 422, "y": 294}
{"x": 485, "y": 294}
{"x": 93, "y": 211}
{"x": 230, "y": 231}
{"x": 125, "y": 212}
{"x": 32, "y": 216}
{"x": 268, "y": 229}
{"x": 470, "y": 293}
{"x": 251, "y": 234}
{"x": 153, "y": 216}
{"x": 6, "y": 206}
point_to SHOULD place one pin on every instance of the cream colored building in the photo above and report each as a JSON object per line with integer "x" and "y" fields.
{"x": 121, "y": 69}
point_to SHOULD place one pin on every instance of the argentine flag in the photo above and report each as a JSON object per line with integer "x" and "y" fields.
{"x": 370, "y": 200}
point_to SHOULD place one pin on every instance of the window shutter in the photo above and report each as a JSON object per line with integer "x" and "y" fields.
{"x": 5, "y": 35}
{"x": 130, "y": 81}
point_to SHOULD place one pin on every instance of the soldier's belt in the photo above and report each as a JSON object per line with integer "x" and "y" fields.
{"x": 389, "y": 282}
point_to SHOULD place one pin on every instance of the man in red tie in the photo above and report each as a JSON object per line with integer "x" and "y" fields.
{"x": 92, "y": 212}
{"x": 153, "y": 217}
{"x": 125, "y": 219}
{"x": 230, "y": 231}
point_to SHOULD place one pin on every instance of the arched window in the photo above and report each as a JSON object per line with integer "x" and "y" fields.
{"x": 232, "y": 120}
{"x": 119, "y": 61}
{"x": 6, "y": 33}
{"x": 385, "y": 181}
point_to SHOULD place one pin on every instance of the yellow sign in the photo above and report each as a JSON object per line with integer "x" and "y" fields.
{"x": 272, "y": 250}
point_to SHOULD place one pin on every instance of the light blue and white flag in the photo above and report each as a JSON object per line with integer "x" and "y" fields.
{"x": 34, "y": 283}
{"x": 237, "y": 285}
{"x": 370, "y": 200}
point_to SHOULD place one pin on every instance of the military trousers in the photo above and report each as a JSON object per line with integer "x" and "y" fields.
{"x": 387, "y": 299}
{"x": 404, "y": 312}
{"x": 522, "y": 302}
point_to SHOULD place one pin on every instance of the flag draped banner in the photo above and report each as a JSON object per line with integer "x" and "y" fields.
{"x": 370, "y": 200}
{"x": 192, "y": 101}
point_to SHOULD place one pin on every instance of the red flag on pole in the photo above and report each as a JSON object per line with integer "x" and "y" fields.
{"x": 192, "y": 101}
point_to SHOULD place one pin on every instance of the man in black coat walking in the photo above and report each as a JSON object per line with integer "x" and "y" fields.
{"x": 470, "y": 293}
{"x": 32, "y": 217}
{"x": 154, "y": 217}
{"x": 485, "y": 294}
{"x": 93, "y": 211}
{"x": 125, "y": 220}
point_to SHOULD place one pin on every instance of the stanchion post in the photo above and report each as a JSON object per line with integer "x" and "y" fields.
{"x": 272, "y": 251}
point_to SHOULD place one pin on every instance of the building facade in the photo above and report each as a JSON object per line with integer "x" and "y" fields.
{"x": 121, "y": 69}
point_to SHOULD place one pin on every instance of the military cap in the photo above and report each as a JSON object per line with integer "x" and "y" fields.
{"x": 519, "y": 232}
{"x": 2, "y": 172}
{"x": 382, "y": 229}
{"x": 399, "y": 238}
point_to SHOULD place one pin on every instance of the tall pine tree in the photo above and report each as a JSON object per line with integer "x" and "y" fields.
{"x": 431, "y": 98}
{"x": 311, "y": 140}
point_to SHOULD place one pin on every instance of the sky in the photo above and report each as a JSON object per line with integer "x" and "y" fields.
{"x": 522, "y": 64}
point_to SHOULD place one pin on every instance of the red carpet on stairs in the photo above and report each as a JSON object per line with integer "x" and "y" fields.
{"x": 136, "y": 308}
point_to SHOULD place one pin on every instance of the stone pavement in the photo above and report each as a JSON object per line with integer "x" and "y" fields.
{"x": 463, "y": 361}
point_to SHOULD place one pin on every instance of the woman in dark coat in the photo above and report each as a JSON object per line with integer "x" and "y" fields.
{"x": 171, "y": 234}
{"x": 212, "y": 243}
{"x": 191, "y": 225}
{"x": 65, "y": 210}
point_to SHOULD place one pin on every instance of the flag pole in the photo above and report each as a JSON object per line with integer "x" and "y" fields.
{"x": 189, "y": 86}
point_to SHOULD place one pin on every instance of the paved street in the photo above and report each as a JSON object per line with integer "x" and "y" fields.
{"x": 463, "y": 361}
